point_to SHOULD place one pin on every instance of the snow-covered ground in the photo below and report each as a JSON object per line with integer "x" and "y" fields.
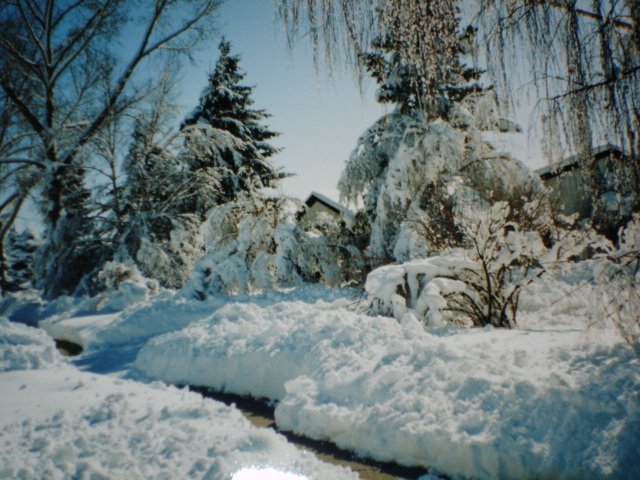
{"x": 57, "y": 422}
{"x": 550, "y": 399}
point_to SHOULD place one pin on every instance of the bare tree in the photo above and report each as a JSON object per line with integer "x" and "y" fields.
{"x": 582, "y": 58}
{"x": 69, "y": 53}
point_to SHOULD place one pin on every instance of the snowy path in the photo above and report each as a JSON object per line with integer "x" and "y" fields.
{"x": 260, "y": 414}
{"x": 57, "y": 422}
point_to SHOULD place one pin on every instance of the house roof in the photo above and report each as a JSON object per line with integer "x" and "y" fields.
{"x": 316, "y": 197}
{"x": 576, "y": 161}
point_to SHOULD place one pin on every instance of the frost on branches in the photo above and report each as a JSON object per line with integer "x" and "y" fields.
{"x": 255, "y": 244}
{"x": 414, "y": 176}
{"x": 478, "y": 285}
{"x": 618, "y": 278}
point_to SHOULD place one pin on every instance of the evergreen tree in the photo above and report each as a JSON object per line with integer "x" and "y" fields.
{"x": 417, "y": 166}
{"x": 152, "y": 229}
{"x": 73, "y": 251}
{"x": 19, "y": 259}
{"x": 224, "y": 132}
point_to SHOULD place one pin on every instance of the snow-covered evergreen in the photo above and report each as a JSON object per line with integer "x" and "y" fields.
{"x": 417, "y": 168}
{"x": 19, "y": 258}
{"x": 414, "y": 176}
{"x": 252, "y": 238}
{"x": 154, "y": 227}
{"x": 237, "y": 139}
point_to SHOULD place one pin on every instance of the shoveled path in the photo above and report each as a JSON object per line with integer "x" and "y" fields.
{"x": 261, "y": 414}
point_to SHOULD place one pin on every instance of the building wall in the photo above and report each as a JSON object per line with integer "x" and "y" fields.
{"x": 571, "y": 192}
{"x": 572, "y": 189}
{"x": 314, "y": 214}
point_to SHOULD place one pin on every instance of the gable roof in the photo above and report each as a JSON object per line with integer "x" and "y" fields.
{"x": 316, "y": 197}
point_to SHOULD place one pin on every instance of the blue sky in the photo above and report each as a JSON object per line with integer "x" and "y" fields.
{"x": 320, "y": 118}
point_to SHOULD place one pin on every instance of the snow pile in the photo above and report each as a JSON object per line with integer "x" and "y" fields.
{"x": 247, "y": 349}
{"x": 418, "y": 288}
{"x": 481, "y": 403}
{"x": 528, "y": 409}
{"x": 59, "y": 423}
{"x": 25, "y": 348}
{"x": 166, "y": 312}
{"x": 134, "y": 325}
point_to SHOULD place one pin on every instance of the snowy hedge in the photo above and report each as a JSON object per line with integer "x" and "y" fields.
{"x": 478, "y": 285}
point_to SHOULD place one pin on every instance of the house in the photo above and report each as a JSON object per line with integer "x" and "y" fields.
{"x": 318, "y": 208}
{"x": 573, "y": 179}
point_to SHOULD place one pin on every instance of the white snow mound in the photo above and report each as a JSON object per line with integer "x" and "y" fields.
{"x": 61, "y": 424}
{"x": 25, "y": 348}
{"x": 476, "y": 403}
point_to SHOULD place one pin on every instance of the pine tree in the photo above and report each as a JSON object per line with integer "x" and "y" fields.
{"x": 152, "y": 229}
{"x": 403, "y": 84}
{"x": 72, "y": 251}
{"x": 224, "y": 132}
{"x": 418, "y": 165}
{"x": 20, "y": 251}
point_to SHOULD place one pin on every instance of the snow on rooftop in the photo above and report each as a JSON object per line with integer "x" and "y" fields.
{"x": 326, "y": 200}
{"x": 574, "y": 160}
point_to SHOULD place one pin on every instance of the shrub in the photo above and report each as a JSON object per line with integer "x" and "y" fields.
{"x": 478, "y": 285}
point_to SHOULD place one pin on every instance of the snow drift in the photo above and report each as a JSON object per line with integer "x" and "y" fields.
{"x": 484, "y": 403}
{"x": 57, "y": 422}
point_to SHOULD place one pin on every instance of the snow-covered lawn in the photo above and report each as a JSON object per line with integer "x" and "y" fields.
{"x": 551, "y": 399}
{"x": 57, "y": 422}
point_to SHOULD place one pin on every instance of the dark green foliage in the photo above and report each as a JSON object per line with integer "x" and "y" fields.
{"x": 20, "y": 251}
{"x": 234, "y": 138}
{"x": 72, "y": 250}
{"x": 400, "y": 82}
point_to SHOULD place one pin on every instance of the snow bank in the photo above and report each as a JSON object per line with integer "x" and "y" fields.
{"x": 133, "y": 325}
{"x": 60, "y": 423}
{"x": 247, "y": 349}
{"x": 111, "y": 428}
{"x": 163, "y": 313}
{"x": 478, "y": 403}
{"x": 25, "y": 348}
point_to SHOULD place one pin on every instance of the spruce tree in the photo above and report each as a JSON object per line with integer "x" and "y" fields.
{"x": 224, "y": 132}
{"x": 19, "y": 260}
{"x": 416, "y": 167}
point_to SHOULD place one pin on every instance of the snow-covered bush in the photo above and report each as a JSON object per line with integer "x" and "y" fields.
{"x": 123, "y": 286}
{"x": 478, "y": 285}
{"x": 414, "y": 176}
{"x": 255, "y": 244}
{"x": 419, "y": 288}
{"x": 618, "y": 277}
{"x": 472, "y": 286}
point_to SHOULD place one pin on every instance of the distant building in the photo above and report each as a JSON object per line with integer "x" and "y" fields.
{"x": 319, "y": 208}
{"x": 573, "y": 179}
